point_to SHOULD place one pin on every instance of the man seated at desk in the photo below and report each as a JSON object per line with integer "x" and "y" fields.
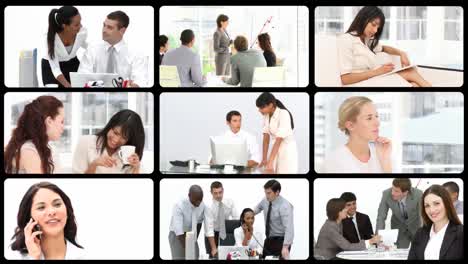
{"x": 113, "y": 55}
{"x": 234, "y": 121}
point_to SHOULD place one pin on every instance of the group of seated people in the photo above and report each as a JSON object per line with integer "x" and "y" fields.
{"x": 438, "y": 236}
{"x": 243, "y": 59}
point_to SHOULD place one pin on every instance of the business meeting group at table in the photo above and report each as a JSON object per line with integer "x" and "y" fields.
{"x": 233, "y": 58}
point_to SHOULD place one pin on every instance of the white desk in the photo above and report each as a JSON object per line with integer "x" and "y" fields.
{"x": 397, "y": 254}
{"x": 215, "y": 81}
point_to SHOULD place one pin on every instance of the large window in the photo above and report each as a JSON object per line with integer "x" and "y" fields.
{"x": 431, "y": 35}
{"x": 288, "y": 29}
{"x": 453, "y": 26}
{"x": 413, "y": 122}
{"x": 86, "y": 114}
{"x": 329, "y": 19}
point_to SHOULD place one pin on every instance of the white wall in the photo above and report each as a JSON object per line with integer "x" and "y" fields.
{"x": 114, "y": 216}
{"x": 296, "y": 191}
{"x": 26, "y": 28}
{"x": 368, "y": 193}
{"x": 187, "y": 120}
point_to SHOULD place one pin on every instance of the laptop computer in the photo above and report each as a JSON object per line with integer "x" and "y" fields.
{"x": 79, "y": 79}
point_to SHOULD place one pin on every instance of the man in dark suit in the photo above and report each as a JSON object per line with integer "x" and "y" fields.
{"x": 357, "y": 226}
{"x": 163, "y": 47}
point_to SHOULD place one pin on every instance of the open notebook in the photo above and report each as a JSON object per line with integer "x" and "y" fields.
{"x": 396, "y": 61}
{"x": 397, "y": 69}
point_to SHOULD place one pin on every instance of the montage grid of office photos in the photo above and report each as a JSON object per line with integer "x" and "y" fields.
{"x": 95, "y": 147}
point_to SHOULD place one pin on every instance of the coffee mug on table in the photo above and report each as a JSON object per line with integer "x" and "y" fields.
{"x": 125, "y": 152}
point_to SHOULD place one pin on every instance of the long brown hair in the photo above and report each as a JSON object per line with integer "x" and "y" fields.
{"x": 449, "y": 208}
{"x": 31, "y": 126}
{"x": 264, "y": 42}
{"x": 366, "y": 15}
{"x": 24, "y": 215}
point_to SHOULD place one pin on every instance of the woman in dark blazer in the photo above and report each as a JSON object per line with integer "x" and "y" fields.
{"x": 441, "y": 236}
{"x": 221, "y": 42}
{"x": 330, "y": 239}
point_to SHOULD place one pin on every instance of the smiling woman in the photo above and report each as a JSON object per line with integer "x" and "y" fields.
{"x": 46, "y": 225}
{"x": 102, "y": 153}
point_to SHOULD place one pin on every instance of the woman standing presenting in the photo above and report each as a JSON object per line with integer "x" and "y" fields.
{"x": 366, "y": 151}
{"x": 279, "y": 123}
{"x": 221, "y": 42}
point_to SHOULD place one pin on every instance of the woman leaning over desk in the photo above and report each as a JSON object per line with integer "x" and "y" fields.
{"x": 64, "y": 37}
{"x": 279, "y": 125}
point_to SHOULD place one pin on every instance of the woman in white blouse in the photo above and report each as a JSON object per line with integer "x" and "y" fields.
{"x": 279, "y": 124}
{"x": 441, "y": 236}
{"x": 244, "y": 235}
{"x": 64, "y": 37}
{"x": 99, "y": 153}
{"x": 358, "y": 47}
{"x": 366, "y": 151}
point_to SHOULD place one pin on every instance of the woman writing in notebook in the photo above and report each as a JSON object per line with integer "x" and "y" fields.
{"x": 357, "y": 50}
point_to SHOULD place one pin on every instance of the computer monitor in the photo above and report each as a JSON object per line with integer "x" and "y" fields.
{"x": 79, "y": 79}
{"x": 233, "y": 253}
{"x": 229, "y": 152}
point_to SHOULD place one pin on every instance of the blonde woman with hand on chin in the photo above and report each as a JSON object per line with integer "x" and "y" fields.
{"x": 366, "y": 151}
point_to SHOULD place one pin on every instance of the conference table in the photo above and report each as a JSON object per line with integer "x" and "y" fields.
{"x": 373, "y": 254}
{"x": 215, "y": 81}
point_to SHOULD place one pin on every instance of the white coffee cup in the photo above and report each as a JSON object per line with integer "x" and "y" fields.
{"x": 125, "y": 152}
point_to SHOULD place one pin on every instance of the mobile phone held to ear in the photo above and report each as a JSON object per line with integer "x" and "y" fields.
{"x": 37, "y": 228}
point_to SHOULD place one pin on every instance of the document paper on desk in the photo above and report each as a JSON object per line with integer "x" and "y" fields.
{"x": 389, "y": 237}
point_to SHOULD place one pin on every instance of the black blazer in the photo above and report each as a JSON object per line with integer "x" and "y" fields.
{"x": 270, "y": 58}
{"x": 160, "y": 58}
{"x": 452, "y": 245}
{"x": 364, "y": 226}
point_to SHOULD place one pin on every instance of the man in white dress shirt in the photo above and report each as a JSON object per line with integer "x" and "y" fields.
{"x": 234, "y": 121}
{"x": 187, "y": 215}
{"x": 113, "y": 54}
{"x": 220, "y": 210}
{"x": 453, "y": 189}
